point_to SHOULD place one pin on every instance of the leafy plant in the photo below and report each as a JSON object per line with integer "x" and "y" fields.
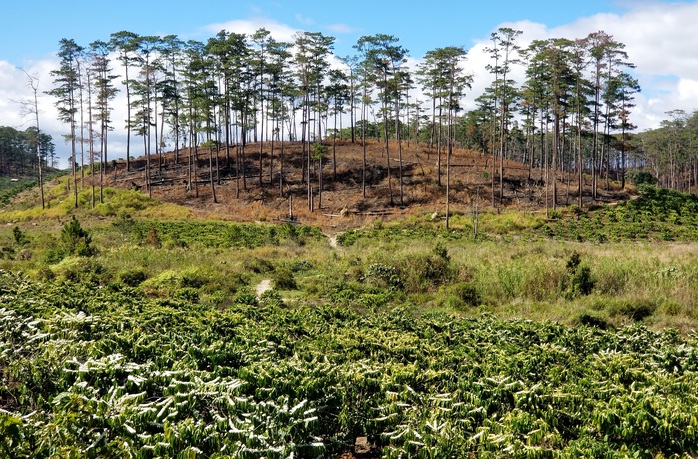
{"x": 75, "y": 240}
{"x": 283, "y": 279}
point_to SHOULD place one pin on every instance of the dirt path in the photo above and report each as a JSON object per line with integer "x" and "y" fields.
{"x": 333, "y": 241}
{"x": 263, "y": 286}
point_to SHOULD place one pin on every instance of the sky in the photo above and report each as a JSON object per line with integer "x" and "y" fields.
{"x": 659, "y": 35}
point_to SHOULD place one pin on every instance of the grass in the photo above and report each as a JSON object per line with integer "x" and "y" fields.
{"x": 514, "y": 269}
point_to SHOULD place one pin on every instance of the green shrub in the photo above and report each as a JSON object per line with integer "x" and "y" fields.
{"x": 75, "y": 240}
{"x": 80, "y": 270}
{"x": 258, "y": 265}
{"x": 271, "y": 298}
{"x": 45, "y": 274}
{"x": 466, "y": 293}
{"x": 581, "y": 281}
{"x": 643, "y": 177}
{"x": 283, "y": 279}
{"x": 245, "y": 298}
{"x": 592, "y": 320}
{"x": 423, "y": 272}
{"x": 193, "y": 278}
{"x": 132, "y": 277}
{"x": 187, "y": 294}
{"x": 54, "y": 255}
{"x": 20, "y": 236}
{"x": 383, "y": 276}
{"x": 635, "y": 309}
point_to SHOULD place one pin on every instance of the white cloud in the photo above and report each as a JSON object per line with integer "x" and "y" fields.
{"x": 304, "y": 20}
{"x": 281, "y": 32}
{"x": 340, "y": 28}
{"x": 660, "y": 40}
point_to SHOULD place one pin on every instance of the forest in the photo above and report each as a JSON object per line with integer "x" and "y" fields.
{"x": 571, "y": 115}
{"x": 19, "y": 155}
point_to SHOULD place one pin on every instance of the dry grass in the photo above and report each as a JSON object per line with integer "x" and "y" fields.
{"x": 343, "y": 204}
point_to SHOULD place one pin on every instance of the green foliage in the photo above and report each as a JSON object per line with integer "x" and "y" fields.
{"x": 271, "y": 298}
{"x": 132, "y": 277}
{"x": 658, "y": 214}
{"x": 75, "y": 240}
{"x": 635, "y": 309}
{"x": 461, "y": 296}
{"x": 10, "y": 190}
{"x": 215, "y": 234}
{"x": 19, "y": 236}
{"x": 98, "y": 372}
{"x": 283, "y": 279}
{"x": 80, "y": 270}
{"x": 592, "y": 320}
{"x": 580, "y": 280}
{"x": 384, "y": 276}
{"x": 642, "y": 178}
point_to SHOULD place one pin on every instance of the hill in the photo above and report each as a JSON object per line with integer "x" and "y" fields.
{"x": 261, "y": 194}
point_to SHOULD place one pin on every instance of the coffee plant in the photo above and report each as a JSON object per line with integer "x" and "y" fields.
{"x": 92, "y": 371}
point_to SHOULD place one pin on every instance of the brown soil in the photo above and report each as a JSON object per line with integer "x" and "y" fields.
{"x": 343, "y": 204}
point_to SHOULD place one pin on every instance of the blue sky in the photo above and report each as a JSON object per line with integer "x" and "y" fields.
{"x": 35, "y": 28}
{"x": 659, "y": 35}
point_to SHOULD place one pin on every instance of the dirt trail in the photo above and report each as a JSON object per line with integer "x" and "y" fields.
{"x": 332, "y": 240}
{"x": 263, "y": 286}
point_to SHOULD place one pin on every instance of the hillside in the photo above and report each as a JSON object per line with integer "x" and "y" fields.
{"x": 342, "y": 202}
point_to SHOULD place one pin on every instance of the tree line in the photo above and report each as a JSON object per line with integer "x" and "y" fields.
{"x": 669, "y": 154}
{"x": 18, "y": 151}
{"x": 570, "y": 116}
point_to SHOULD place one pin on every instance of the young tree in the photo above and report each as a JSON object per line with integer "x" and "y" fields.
{"x": 623, "y": 89}
{"x": 312, "y": 52}
{"x": 261, "y": 39}
{"x": 279, "y": 82}
{"x": 146, "y": 104}
{"x": 338, "y": 94}
{"x": 171, "y": 48}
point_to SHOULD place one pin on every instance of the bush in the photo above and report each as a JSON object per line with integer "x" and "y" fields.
{"x": 258, "y": 265}
{"x": 132, "y": 277}
{"x": 466, "y": 293}
{"x": 581, "y": 281}
{"x": 637, "y": 310}
{"x": 283, "y": 279}
{"x": 188, "y": 294}
{"x": 80, "y": 270}
{"x": 193, "y": 278}
{"x": 460, "y": 296}
{"x": 383, "y": 276}
{"x": 45, "y": 274}
{"x": 643, "y": 177}
{"x": 245, "y": 298}
{"x": 271, "y": 298}
{"x": 426, "y": 271}
{"x": 592, "y": 320}
{"x": 19, "y": 236}
{"x": 75, "y": 240}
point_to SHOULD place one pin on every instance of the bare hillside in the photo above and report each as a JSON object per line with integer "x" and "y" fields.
{"x": 243, "y": 194}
